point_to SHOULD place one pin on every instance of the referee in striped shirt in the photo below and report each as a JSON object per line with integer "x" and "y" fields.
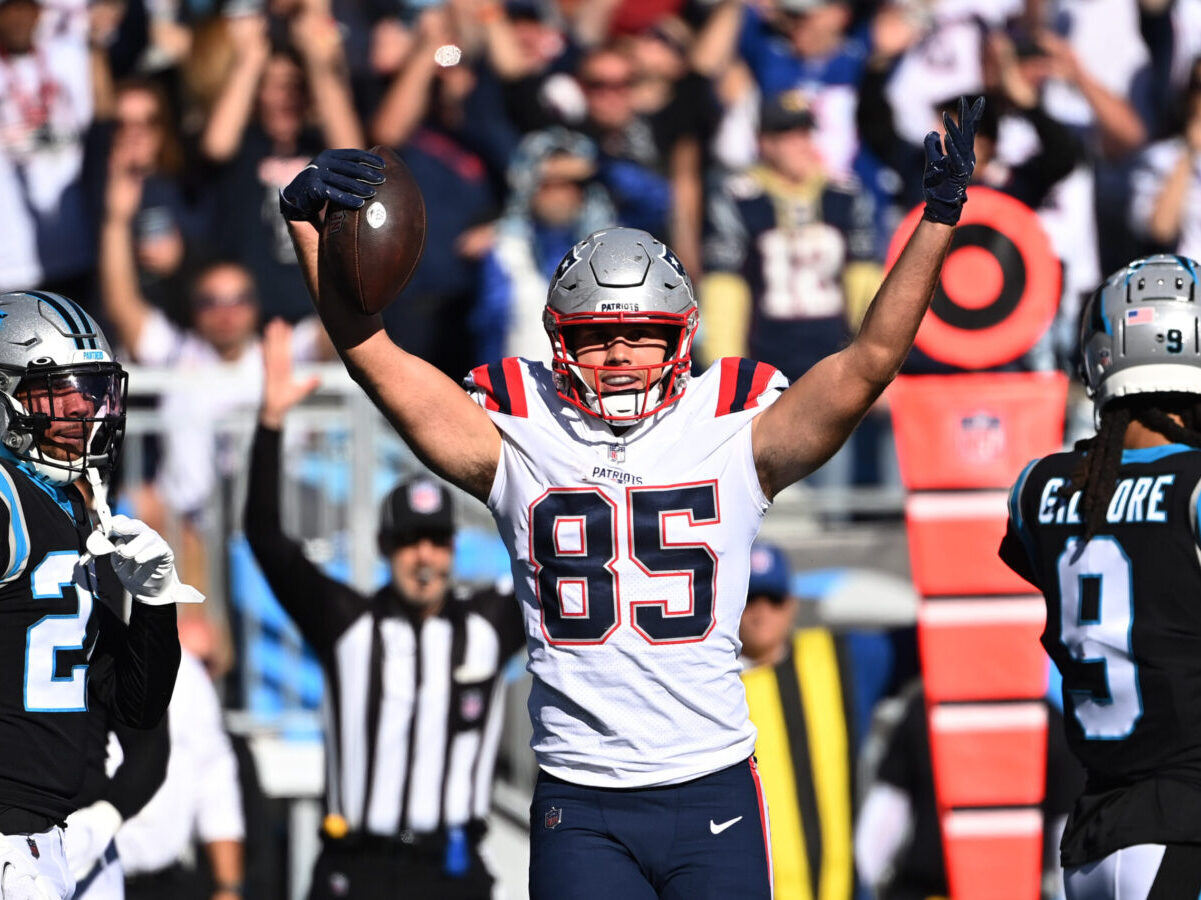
{"x": 414, "y": 675}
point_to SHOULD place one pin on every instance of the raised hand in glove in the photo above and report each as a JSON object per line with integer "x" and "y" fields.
{"x": 19, "y": 875}
{"x": 143, "y": 562}
{"x": 88, "y": 833}
{"x": 947, "y": 174}
{"x": 342, "y": 177}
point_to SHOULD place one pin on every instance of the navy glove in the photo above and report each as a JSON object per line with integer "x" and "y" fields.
{"x": 947, "y": 174}
{"x": 341, "y": 177}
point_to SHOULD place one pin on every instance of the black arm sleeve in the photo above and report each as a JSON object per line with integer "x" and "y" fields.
{"x": 1013, "y": 553}
{"x": 143, "y": 770}
{"x": 133, "y": 666}
{"x": 1061, "y": 152}
{"x": 321, "y": 607}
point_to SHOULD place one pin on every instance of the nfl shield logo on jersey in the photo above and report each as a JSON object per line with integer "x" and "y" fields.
{"x": 553, "y": 817}
{"x": 617, "y": 453}
{"x": 981, "y": 436}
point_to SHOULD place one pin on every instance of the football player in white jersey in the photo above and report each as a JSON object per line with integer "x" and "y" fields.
{"x": 629, "y": 495}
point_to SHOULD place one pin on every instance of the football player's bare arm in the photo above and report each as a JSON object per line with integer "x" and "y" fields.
{"x": 813, "y": 418}
{"x": 807, "y": 425}
{"x": 437, "y": 419}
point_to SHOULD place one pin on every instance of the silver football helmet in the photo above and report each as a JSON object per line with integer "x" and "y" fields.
{"x": 62, "y": 397}
{"x": 621, "y": 276}
{"x": 1140, "y": 331}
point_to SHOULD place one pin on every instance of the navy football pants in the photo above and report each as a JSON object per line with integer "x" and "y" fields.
{"x": 705, "y": 838}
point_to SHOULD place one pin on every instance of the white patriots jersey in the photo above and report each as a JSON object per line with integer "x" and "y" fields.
{"x": 630, "y": 557}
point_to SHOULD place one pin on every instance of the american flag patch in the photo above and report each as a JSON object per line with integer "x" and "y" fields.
{"x": 1142, "y": 316}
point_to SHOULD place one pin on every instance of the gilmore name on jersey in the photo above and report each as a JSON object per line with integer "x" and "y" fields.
{"x": 630, "y": 556}
{"x": 1124, "y": 628}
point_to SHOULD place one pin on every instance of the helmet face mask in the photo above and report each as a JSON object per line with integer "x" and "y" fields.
{"x": 1140, "y": 331}
{"x": 70, "y": 418}
{"x": 62, "y": 397}
{"x": 619, "y": 279}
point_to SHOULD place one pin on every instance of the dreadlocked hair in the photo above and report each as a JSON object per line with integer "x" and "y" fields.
{"x": 1097, "y": 474}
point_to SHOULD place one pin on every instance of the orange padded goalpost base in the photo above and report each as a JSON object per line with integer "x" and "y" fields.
{"x": 961, "y": 442}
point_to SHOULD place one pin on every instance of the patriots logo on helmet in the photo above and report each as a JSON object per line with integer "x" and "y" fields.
{"x": 672, "y": 260}
{"x": 570, "y": 259}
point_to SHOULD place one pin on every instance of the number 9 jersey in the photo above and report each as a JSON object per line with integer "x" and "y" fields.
{"x": 1124, "y": 628}
{"x": 630, "y": 555}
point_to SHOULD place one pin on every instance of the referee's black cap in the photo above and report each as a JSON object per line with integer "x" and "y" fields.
{"x": 418, "y": 507}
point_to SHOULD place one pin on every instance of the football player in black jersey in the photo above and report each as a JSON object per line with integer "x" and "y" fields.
{"x": 1109, "y": 533}
{"x": 62, "y": 416}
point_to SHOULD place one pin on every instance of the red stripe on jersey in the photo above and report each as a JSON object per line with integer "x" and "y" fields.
{"x": 728, "y": 385}
{"x": 764, "y": 822}
{"x": 763, "y": 376}
{"x": 512, "y": 370}
{"x": 483, "y": 381}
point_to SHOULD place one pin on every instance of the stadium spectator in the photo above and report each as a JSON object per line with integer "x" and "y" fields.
{"x": 633, "y": 166}
{"x": 805, "y": 45}
{"x": 898, "y": 840}
{"x": 554, "y": 201}
{"x": 223, "y": 315}
{"x": 1059, "y": 151}
{"x": 790, "y": 250}
{"x": 200, "y": 800}
{"x": 415, "y": 676}
{"x": 810, "y": 694}
{"x": 144, "y": 144}
{"x": 453, "y": 138}
{"x": 259, "y": 133}
{"x": 634, "y": 465}
{"x": 45, "y": 111}
{"x": 1165, "y": 208}
{"x": 533, "y": 56}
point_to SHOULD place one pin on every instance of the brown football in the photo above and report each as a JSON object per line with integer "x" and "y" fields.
{"x": 372, "y": 252}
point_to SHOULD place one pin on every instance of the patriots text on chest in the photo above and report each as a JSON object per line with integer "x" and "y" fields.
{"x": 1138, "y": 499}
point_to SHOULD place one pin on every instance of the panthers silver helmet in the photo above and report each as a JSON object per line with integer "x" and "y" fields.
{"x": 62, "y": 397}
{"x": 1140, "y": 331}
{"x": 621, "y": 276}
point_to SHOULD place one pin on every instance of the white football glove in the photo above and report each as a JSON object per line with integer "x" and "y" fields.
{"x": 20, "y": 878}
{"x": 87, "y": 835}
{"x": 143, "y": 562}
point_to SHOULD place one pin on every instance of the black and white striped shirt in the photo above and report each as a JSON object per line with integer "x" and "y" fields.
{"x": 413, "y": 706}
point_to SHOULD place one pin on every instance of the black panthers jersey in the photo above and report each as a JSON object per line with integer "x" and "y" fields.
{"x": 1124, "y": 628}
{"x": 55, "y": 637}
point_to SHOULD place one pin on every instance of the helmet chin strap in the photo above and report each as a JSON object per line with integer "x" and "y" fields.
{"x": 625, "y": 404}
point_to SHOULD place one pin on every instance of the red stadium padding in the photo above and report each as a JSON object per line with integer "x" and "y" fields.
{"x": 988, "y": 754}
{"x": 999, "y": 287}
{"x": 982, "y": 649}
{"x": 953, "y": 540}
{"x": 994, "y": 855}
{"x": 974, "y": 431}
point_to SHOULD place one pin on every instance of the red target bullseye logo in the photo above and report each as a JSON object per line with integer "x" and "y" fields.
{"x": 999, "y": 287}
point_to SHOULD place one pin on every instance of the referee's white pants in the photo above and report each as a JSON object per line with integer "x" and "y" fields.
{"x": 1126, "y": 874}
{"x": 50, "y": 863}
